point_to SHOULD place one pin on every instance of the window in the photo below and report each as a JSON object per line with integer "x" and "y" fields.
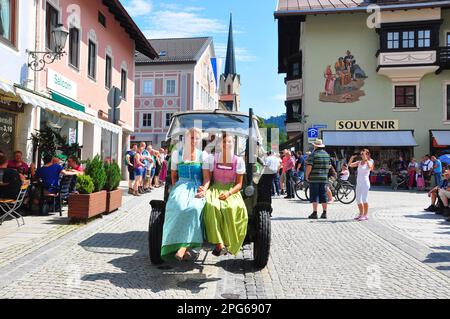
{"x": 408, "y": 39}
{"x": 74, "y": 47}
{"x": 147, "y": 87}
{"x": 448, "y": 102}
{"x": 168, "y": 118}
{"x": 108, "y": 72}
{"x": 424, "y": 38}
{"x": 170, "y": 87}
{"x": 393, "y": 40}
{"x": 448, "y": 39}
{"x": 92, "y": 60}
{"x": 123, "y": 86}
{"x": 101, "y": 19}
{"x": 8, "y": 21}
{"x": 229, "y": 89}
{"x": 147, "y": 120}
{"x": 51, "y": 23}
{"x": 296, "y": 69}
{"x": 109, "y": 145}
{"x": 405, "y": 96}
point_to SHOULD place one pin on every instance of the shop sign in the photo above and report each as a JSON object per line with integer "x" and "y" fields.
{"x": 367, "y": 125}
{"x": 294, "y": 89}
{"x": 61, "y": 84}
{"x": 72, "y": 136}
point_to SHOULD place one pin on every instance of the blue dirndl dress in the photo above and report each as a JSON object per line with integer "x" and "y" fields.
{"x": 183, "y": 223}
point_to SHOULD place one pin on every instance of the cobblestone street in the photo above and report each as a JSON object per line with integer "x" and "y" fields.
{"x": 402, "y": 252}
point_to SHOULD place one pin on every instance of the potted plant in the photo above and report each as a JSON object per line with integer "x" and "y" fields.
{"x": 114, "y": 195}
{"x": 91, "y": 200}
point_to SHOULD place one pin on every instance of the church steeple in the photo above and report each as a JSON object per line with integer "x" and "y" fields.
{"x": 230, "y": 63}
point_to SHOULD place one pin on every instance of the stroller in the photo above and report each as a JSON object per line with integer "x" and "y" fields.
{"x": 400, "y": 180}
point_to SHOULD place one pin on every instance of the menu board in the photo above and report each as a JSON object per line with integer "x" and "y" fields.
{"x": 7, "y": 132}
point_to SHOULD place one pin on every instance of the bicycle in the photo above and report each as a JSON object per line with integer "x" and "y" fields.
{"x": 343, "y": 191}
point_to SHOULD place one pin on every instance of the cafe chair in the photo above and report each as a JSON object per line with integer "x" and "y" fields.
{"x": 10, "y": 207}
{"x": 63, "y": 193}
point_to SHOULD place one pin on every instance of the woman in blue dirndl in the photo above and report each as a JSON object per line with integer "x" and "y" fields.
{"x": 183, "y": 223}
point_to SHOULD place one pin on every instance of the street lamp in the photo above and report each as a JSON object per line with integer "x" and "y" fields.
{"x": 38, "y": 59}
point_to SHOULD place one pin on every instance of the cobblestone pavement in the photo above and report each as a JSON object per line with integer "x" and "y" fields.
{"x": 401, "y": 252}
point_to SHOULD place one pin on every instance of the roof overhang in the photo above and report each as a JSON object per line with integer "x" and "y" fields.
{"x": 126, "y": 22}
{"x": 363, "y": 7}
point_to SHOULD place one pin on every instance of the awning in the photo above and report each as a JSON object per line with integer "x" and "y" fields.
{"x": 368, "y": 138}
{"x": 7, "y": 88}
{"x": 52, "y": 106}
{"x": 442, "y": 137}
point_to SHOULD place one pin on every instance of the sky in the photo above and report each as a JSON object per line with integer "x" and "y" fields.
{"x": 255, "y": 40}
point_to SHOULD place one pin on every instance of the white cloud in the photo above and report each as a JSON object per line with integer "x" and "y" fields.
{"x": 242, "y": 54}
{"x": 138, "y": 8}
{"x": 174, "y": 21}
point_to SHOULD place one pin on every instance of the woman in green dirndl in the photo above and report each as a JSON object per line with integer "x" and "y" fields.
{"x": 225, "y": 215}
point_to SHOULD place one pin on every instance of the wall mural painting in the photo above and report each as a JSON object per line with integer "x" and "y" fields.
{"x": 344, "y": 85}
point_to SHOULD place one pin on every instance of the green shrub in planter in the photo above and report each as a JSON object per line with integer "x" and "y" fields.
{"x": 85, "y": 185}
{"x": 96, "y": 170}
{"x": 113, "y": 176}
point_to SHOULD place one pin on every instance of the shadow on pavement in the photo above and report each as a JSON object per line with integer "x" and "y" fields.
{"x": 136, "y": 271}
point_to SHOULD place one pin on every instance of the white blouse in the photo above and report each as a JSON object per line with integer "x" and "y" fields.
{"x": 208, "y": 163}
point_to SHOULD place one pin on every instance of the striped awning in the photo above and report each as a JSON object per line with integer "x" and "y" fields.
{"x": 7, "y": 88}
{"x": 52, "y": 106}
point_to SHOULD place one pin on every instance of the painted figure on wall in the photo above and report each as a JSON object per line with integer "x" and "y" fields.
{"x": 344, "y": 86}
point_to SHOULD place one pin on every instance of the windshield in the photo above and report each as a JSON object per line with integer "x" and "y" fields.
{"x": 211, "y": 123}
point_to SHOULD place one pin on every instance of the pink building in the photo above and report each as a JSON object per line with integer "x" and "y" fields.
{"x": 71, "y": 94}
{"x": 183, "y": 78}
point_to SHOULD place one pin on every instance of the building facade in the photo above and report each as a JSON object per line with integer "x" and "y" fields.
{"x": 71, "y": 94}
{"x": 183, "y": 78}
{"x": 372, "y": 77}
{"x": 17, "y": 25}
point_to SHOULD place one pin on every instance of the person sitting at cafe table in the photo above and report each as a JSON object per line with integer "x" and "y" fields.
{"x": 10, "y": 181}
{"x": 49, "y": 173}
{"x": 18, "y": 164}
{"x": 73, "y": 165}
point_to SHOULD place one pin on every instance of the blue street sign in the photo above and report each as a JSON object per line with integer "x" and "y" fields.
{"x": 313, "y": 132}
{"x": 320, "y": 126}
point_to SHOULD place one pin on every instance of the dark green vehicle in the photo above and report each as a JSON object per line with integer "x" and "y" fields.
{"x": 256, "y": 184}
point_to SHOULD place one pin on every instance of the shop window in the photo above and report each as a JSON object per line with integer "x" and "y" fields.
{"x": 108, "y": 73}
{"x": 109, "y": 148}
{"x": 448, "y": 39}
{"x": 74, "y": 47}
{"x": 147, "y": 120}
{"x": 147, "y": 87}
{"x": 8, "y": 21}
{"x": 67, "y": 128}
{"x": 405, "y": 96}
{"x": 52, "y": 19}
{"x": 92, "y": 60}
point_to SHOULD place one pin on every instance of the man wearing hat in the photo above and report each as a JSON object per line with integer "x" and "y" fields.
{"x": 318, "y": 165}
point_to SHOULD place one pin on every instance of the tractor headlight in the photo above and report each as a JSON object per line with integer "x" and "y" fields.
{"x": 249, "y": 191}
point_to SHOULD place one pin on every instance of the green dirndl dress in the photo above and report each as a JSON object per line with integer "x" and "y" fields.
{"x": 225, "y": 221}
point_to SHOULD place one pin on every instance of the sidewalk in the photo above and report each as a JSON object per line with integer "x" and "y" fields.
{"x": 38, "y": 231}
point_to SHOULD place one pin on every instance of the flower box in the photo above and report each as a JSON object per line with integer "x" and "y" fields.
{"x": 113, "y": 200}
{"x": 85, "y": 206}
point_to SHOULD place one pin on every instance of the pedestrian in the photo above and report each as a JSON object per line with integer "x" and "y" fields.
{"x": 318, "y": 165}
{"x": 146, "y": 161}
{"x": 412, "y": 171}
{"x": 273, "y": 164}
{"x": 148, "y": 171}
{"x": 427, "y": 167}
{"x": 129, "y": 161}
{"x": 365, "y": 166}
{"x": 283, "y": 173}
{"x": 437, "y": 170}
{"x": 289, "y": 165}
{"x": 158, "y": 166}
{"x": 138, "y": 171}
{"x": 300, "y": 166}
{"x": 332, "y": 177}
{"x": 163, "y": 174}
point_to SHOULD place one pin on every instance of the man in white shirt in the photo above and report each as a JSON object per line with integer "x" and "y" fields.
{"x": 274, "y": 163}
{"x": 427, "y": 169}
